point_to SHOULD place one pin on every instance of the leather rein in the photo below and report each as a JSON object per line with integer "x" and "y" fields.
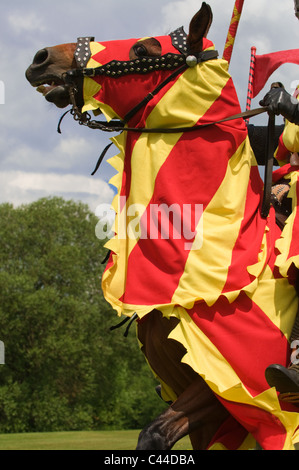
{"x": 176, "y": 63}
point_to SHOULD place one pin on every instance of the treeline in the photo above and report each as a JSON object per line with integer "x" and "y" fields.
{"x": 64, "y": 369}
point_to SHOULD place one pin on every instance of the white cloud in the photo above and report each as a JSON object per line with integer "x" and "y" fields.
{"x": 70, "y": 153}
{"x": 280, "y": 12}
{"x": 20, "y": 187}
{"x": 73, "y": 147}
{"x": 24, "y": 23}
{"x": 180, "y": 12}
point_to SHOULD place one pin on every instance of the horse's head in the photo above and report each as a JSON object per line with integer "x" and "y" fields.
{"x": 47, "y": 69}
{"x": 123, "y": 68}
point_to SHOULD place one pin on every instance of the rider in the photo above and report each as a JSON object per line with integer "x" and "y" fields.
{"x": 278, "y": 101}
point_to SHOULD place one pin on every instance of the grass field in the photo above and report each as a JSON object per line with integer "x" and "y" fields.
{"x": 82, "y": 440}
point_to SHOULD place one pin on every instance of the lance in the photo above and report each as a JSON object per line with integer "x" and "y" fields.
{"x": 233, "y": 28}
{"x": 250, "y": 80}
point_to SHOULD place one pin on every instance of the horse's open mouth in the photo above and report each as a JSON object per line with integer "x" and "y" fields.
{"x": 54, "y": 90}
{"x": 46, "y": 88}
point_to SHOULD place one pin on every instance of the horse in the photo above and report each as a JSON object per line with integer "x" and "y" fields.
{"x": 207, "y": 275}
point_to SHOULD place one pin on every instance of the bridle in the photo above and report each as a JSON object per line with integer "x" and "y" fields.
{"x": 174, "y": 62}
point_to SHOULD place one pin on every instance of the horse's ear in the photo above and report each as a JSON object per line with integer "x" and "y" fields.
{"x": 199, "y": 27}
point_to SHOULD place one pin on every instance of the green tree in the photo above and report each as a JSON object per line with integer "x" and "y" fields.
{"x": 63, "y": 369}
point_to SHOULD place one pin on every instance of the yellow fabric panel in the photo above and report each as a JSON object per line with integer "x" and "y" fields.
{"x": 220, "y": 227}
{"x": 89, "y": 90}
{"x": 279, "y": 299}
{"x": 291, "y": 137}
{"x": 191, "y": 96}
{"x": 283, "y": 260}
{"x": 90, "y": 87}
{"x": 95, "y": 48}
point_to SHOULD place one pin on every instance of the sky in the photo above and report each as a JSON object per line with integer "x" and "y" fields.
{"x": 36, "y": 161}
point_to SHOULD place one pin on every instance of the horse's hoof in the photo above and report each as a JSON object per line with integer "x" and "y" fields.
{"x": 283, "y": 379}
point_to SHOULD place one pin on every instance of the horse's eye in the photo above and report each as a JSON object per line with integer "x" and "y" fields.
{"x": 140, "y": 50}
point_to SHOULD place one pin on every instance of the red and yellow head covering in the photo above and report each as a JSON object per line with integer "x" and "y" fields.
{"x": 115, "y": 97}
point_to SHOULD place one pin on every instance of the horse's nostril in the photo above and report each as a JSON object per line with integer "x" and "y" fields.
{"x": 40, "y": 57}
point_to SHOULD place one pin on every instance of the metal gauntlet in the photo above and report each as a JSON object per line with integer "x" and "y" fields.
{"x": 278, "y": 101}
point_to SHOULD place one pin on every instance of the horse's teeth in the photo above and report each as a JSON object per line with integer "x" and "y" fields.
{"x": 41, "y": 88}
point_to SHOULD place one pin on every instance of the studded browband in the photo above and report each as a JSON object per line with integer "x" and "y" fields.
{"x": 144, "y": 65}
{"x": 83, "y": 52}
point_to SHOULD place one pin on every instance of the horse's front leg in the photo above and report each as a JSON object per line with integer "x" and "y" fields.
{"x": 164, "y": 431}
{"x": 197, "y": 412}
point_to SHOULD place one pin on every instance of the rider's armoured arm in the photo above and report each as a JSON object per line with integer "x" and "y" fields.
{"x": 278, "y": 101}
